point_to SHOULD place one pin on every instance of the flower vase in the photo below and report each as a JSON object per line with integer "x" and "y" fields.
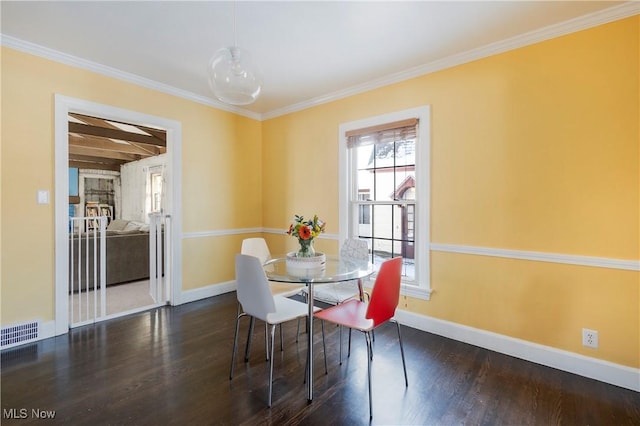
{"x": 306, "y": 248}
{"x": 306, "y": 262}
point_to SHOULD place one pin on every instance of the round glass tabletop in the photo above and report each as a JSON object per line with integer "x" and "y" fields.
{"x": 335, "y": 270}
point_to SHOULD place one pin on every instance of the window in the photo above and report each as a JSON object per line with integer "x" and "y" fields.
{"x": 384, "y": 197}
{"x": 156, "y": 192}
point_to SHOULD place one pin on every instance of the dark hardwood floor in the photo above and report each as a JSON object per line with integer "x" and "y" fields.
{"x": 171, "y": 366}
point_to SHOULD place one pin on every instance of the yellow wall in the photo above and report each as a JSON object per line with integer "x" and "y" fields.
{"x": 535, "y": 149}
{"x": 221, "y": 168}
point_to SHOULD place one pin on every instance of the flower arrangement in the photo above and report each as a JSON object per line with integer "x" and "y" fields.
{"x": 305, "y": 231}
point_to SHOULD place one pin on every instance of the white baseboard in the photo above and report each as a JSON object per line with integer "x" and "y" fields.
{"x": 48, "y": 329}
{"x": 204, "y": 292}
{"x": 604, "y": 371}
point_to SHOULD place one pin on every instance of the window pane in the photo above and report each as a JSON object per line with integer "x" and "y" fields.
{"x": 364, "y": 211}
{"x": 365, "y": 229}
{"x": 382, "y": 219}
{"x": 406, "y": 152}
{"x": 384, "y": 154}
{"x": 364, "y": 156}
{"x": 397, "y": 224}
{"x": 380, "y": 250}
{"x": 383, "y": 185}
{"x": 404, "y": 180}
{"x": 365, "y": 182}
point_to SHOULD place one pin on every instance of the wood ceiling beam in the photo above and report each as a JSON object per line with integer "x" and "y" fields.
{"x": 102, "y": 153}
{"x": 93, "y": 159}
{"x": 160, "y": 135}
{"x": 103, "y": 145}
{"x": 150, "y": 149}
{"x": 109, "y": 145}
{"x": 94, "y": 166}
{"x": 85, "y": 129}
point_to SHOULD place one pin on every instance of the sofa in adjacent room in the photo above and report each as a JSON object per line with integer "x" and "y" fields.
{"x": 127, "y": 244}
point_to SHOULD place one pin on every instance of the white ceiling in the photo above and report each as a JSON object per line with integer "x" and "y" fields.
{"x": 309, "y": 52}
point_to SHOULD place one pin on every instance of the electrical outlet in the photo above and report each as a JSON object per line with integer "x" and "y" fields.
{"x": 589, "y": 338}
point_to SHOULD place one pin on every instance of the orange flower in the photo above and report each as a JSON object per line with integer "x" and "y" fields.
{"x": 304, "y": 232}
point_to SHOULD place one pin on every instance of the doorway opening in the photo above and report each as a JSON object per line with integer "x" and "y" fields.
{"x": 117, "y": 176}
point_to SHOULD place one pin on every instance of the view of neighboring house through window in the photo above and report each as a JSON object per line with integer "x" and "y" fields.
{"x": 386, "y": 204}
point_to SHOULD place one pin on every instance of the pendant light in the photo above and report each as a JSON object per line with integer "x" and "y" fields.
{"x": 233, "y": 76}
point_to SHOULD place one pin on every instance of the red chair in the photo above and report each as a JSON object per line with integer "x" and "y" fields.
{"x": 366, "y": 317}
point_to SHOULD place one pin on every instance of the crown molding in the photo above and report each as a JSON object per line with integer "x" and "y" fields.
{"x": 74, "y": 61}
{"x": 611, "y": 14}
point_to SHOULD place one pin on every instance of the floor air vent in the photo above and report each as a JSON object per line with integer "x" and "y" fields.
{"x": 19, "y": 333}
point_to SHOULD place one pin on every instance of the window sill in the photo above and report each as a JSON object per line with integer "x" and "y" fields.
{"x": 415, "y": 292}
{"x": 410, "y": 290}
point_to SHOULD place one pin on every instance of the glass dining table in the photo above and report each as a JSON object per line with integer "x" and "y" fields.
{"x": 337, "y": 269}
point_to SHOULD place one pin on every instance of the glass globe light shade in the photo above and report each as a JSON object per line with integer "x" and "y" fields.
{"x": 233, "y": 76}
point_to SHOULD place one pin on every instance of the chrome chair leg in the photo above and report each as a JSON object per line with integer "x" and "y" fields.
{"x": 235, "y": 341}
{"x": 273, "y": 330}
{"x": 266, "y": 340}
{"x": 324, "y": 349}
{"x": 369, "y": 353}
{"x": 281, "y": 340}
{"x": 304, "y": 295}
{"x": 249, "y": 335}
{"x": 340, "y": 334}
{"x": 406, "y": 381}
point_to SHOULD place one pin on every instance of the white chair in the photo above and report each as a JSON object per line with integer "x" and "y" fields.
{"x": 352, "y": 249}
{"x": 257, "y": 247}
{"x": 255, "y": 300}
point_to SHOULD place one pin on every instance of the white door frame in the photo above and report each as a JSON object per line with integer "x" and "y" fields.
{"x": 173, "y": 206}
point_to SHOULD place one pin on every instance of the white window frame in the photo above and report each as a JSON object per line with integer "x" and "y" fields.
{"x": 348, "y": 215}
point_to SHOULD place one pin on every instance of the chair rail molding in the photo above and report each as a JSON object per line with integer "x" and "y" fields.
{"x": 221, "y": 232}
{"x": 568, "y": 259}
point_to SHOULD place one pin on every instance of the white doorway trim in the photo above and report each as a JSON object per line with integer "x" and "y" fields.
{"x": 63, "y": 106}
